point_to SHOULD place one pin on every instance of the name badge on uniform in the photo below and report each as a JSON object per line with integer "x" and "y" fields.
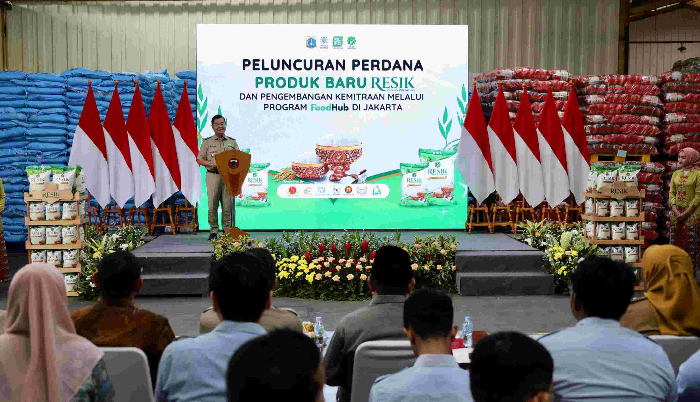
{"x": 213, "y": 155}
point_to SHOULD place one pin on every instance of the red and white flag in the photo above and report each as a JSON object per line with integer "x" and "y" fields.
{"x": 140, "y": 149}
{"x": 90, "y": 152}
{"x": 527, "y": 149}
{"x": 186, "y": 144}
{"x": 121, "y": 178}
{"x": 474, "y": 157}
{"x": 503, "y": 156}
{"x": 577, "y": 160}
{"x": 552, "y": 153}
{"x": 164, "y": 152}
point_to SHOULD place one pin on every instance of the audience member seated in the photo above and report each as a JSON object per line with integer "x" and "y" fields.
{"x": 511, "y": 367}
{"x": 391, "y": 280}
{"x": 273, "y": 317}
{"x": 671, "y": 305}
{"x": 283, "y": 365}
{"x": 115, "y": 320}
{"x": 598, "y": 358}
{"x": 194, "y": 369}
{"x": 427, "y": 321}
{"x": 41, "y": 356}
{"x": 688, "y": 379}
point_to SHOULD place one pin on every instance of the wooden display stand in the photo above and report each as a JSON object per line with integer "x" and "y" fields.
{"x": 50, "y": 195}
{"x": 619, "y": 191}
{"x": 481, "y": 212}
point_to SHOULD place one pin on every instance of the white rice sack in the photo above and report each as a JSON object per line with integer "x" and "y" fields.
{"x": 590, "y": 229}
{"x": 70, "y": 280}
{"x": 82, "y": 233}
{"x": 413, "y": 191}
{"x": 53, "y": 235}
{"x": 606, "y": 178}
{"x": 38, "y": 178}
{"x": 54, "y": 257}
{"x": 617, "y": 208}
{"x": 70, "y": 211}
{"x": 69, "y": 234}
{"x": 38, "y": 255}
{"x": 632, "y": 231}
{"x": 65, "y": 178}
{"x": 37, "y": 235}
{"x": 629, "y": 176}
{"x": 602, "y": 207}
{"x": 53, "y": 211}
{"x": 631, "y": 254}
{"x": 82, "y": 210}
{"x": 590, "y": 206}
{"x": 603, "y": 252}
{"x": 70, "y": 258}
{"x": 37, "y": 211}
{"x": 603, "y": 230}
{"x": 592, "y": 177}
{"x": 618, "y": 231}
{"x": 616, "y": 253}
{"x": 632, "y": 208}
{"x": 80, "y": 182}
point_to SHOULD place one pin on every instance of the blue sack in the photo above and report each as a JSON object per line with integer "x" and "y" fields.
{"x": 181, "y": 83}
{"x": 12, "y": 75}
{"x": 75, "y": 95}
{"x": 13, "y": 144}
{"x": 46, "y": 91}
{"x": 13, "y": 90}
{"x": 49, "y": 132}
{"x": 41, "y": 84}
{"x": 18, "y": 152}
{"x": 42, "y": 97}
{"x": 52, "y": 139}
{"x": 13, "y": 116}
{"x": 73, "y": 121}
{"x": 16, "y": 187}
{"x": 186, "y": 74}
{"x": 82, "y": 82}
{"x": 46, "y": 146}
{"x": 14, "y": 103}
{"x": 10, "y": 133}
{"x": 53, "y": 110}
{"x": 43, "y": 124}
{"x": 46, "y": 104}
{"x": 45, "y": 77}
{"x": 6, "y": 97}
{"x": 84, "y": 72}
{"x": 53, "y": 118}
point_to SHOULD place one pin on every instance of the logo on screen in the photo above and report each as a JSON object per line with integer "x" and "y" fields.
{"x": 351, "y": 42}
{"x": 348, "y": 189}
{"x": 311, "y": 42}
{"x": 337, "y": 41}
{"x": 324, "y": 42}
{"x": 292, "y": 190}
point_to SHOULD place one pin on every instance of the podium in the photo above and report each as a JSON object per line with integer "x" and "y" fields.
{"x": 233, "y": 167}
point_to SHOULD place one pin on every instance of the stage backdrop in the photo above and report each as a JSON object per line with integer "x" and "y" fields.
{"x": 349, "y": 126}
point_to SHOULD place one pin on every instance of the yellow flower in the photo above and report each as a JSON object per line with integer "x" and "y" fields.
{"x": 563, "y": 267}
{"x": 439, "y": 267}
{"x": 405, "y": 249}
{"x": 283, "y": 274}
{"x": 97, "y": 255}
{"x": 350, "y": 277}
{"x": 274, "y": 256}
{"x": 348, "y": 264}
{"x": 363, "y": 277}
{"x": 414, "y": 266}
{"x": 443, "y": 252}
{"x": 313, "y": 266}
{"x": 416, "y": 245}
{"x": 574, "y": 253}
{"x": 558, "y": 256}
{"x": 310, "y": 278}
{"x": 284, "y": 259}
{"x": 327, "y": 274}
{"x": 236, "y": 244}
{"x": 426, "y": 268}
{"x": 318, "y": 277}
{"x": 363, "y": 259}
{"x": 336, "y": 278}
{"x": 300, "y": 273}
{"x": 294, "y": 258}
{"x": 453, "y": 247}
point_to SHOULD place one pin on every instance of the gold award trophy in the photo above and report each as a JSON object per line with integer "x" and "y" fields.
{"x": 233, "y": 166}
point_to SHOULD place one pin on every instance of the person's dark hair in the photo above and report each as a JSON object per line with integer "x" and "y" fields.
{"x": 218, "y": 116}
{"x": 391, "y": 271}
{"x": 268, "y": 263}
{"x": 603, "y": 287}
{"x": 509, "y": 366}
{"x": 240, "y": 287}
{"x": 117, "y": 274}
{"x": 277, "y": 366}
{"x": 429, "y": 313}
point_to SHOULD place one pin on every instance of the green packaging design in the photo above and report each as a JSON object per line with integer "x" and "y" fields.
{"x": 413, "y": 189}
{"x": 440, "y": 175}
{"x": 255, "y": 187}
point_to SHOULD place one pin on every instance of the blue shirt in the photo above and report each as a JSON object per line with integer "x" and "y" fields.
{"x": 195, "y": 369}
{"x": 598, "y": 359}
{"x": 689, "y": 379}
{"x": 432, "y": 378}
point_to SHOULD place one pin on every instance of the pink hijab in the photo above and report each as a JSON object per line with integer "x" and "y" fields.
{"x": 693, "y": 157}
{"x": 41, "y": 356}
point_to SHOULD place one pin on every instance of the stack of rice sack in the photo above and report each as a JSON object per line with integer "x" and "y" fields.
{"x": 648, "y": 176}
{"x": 47, "y": 120}
{"x": 620, "y": 112}
{"x": 536, "y": 80}
{"x": 190, "y": 77}
{"x": 681, "y": 102}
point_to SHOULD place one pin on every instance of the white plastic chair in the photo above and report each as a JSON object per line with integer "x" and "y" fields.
{"x": 678, "y": 348}
{"x": 377, "y": 358}
{"x": 128, "y": 370}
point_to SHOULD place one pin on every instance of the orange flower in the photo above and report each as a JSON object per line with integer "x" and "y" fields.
{"x": 414, "y": 266}
{"x": 453, "y": 247}
{"x": 327, "y": 274}
{"x": 350, "y": 277}
{"x": 454, "y": 268}
{"x": 326, "y": 264}
{"x": 439, "y": 267}
{"x": 443, "y": 252}
{"x": 363, "y": 277}
{"x": 348, "y": 265}
{"x": 318, "y": 277}
{"x": 426, "y": 268}
{"x": 336, "y": 278}
{"x": 416, "y": 245}
{"x": 363, "y": 259}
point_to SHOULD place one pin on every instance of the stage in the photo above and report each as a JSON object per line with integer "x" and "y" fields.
{"x": 487, "y": 264}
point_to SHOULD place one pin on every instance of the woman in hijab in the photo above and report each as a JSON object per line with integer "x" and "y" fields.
{"x": 671, "y": 305}
{"x": 684, "y": 197}
{"x": 41, "y": 357}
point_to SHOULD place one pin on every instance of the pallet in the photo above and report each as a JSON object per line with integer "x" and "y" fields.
{"x": 614, "y": 158}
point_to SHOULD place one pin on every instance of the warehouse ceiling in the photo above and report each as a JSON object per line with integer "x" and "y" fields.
{"x": 641, "y": 9}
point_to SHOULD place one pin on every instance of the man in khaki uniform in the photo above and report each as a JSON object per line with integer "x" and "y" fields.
{"x": 216, "y": 189}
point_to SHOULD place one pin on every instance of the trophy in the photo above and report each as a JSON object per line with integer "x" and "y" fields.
{"x": 233, "y": 167}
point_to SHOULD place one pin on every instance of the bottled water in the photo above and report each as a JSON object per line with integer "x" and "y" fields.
{"x": 467, "y": 332}
{"x": 319, "y": 332}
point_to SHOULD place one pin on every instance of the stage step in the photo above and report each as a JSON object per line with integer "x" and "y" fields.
{"x": 499, "y": 261}
{"x": 505, "y": 283}
{"x": 175, "y": 284}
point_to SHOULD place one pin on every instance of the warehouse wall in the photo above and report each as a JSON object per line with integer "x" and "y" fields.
{"x": 577, "y": 35}
{"x": 653, "y": 58}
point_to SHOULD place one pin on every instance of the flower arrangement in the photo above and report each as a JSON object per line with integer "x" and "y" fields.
{"x": 563, "y": 248}
{"x": 96, "y": 247}
{"x": 330, "y": 267}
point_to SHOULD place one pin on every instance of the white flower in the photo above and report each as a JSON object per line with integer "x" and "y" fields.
{"x": 124, "y": 247}
{"x": 528, "y": 241}
{"x": 115, "y": 237}
{"x": 92, "y": 285}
